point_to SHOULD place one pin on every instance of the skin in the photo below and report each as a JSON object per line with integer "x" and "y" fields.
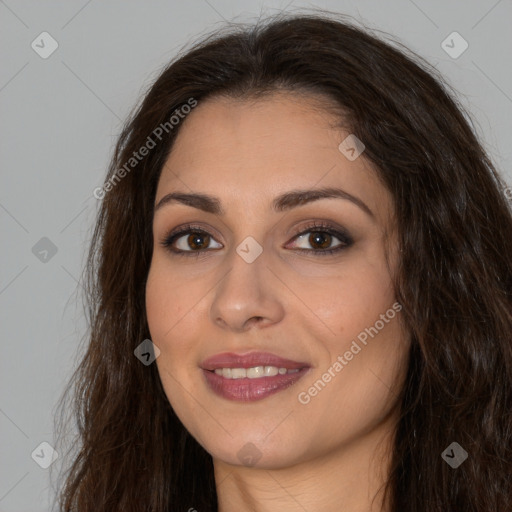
{"x": 305, "y": 307}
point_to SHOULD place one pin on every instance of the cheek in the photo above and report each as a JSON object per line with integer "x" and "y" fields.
{"x": 169, "y": 300}
{"x": 351, "y": 305}
{"x": 165, "y": 306}
{"x": 343, "y": 403}
{"x": 161, "y": 307}
{"x": 349, "y": 300}
{"x": 176, "y": 306}
{"x": 170, "y": 309}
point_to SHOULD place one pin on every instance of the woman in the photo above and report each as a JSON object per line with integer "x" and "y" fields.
{"x": 300, "y": 289}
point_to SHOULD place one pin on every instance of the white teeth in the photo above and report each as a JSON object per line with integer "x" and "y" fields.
{"x": 255, "y": 372}
{"x": 271, "y": 371}
{"x": 237, "y": 373}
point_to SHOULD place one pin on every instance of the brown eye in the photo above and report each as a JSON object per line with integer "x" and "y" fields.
{"x": 189, "y": 241}
{"x": 320, "y": 240}
{"x": 198, "y": 240}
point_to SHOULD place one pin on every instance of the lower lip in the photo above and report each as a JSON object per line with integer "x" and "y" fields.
{"x": 250, "y": 390}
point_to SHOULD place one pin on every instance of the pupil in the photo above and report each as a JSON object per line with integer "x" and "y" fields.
{"x": 320, "y": 239}
{"x": 195, "y": 240}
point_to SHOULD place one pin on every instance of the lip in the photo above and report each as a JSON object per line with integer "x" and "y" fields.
{"x": 249, "y": 390}
{"x": 231, "y": 360}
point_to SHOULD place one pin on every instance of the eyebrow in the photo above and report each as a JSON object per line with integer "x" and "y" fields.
{"x": 284, "y": 202}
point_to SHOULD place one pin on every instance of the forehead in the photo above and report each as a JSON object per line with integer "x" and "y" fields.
{"x": 279, "y": 128}
{"x": 253, "y": 150}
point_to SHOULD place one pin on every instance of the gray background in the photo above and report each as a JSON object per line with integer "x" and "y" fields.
{"x": 60, "y": 118}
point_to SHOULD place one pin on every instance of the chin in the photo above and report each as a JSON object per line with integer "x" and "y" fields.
{"x": 252, "y": 451}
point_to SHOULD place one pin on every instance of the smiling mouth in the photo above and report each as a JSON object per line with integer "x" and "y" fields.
{"x": 247, "y": 389}
{"x": 252, "y": 376}
{"x": 255, "y": 372}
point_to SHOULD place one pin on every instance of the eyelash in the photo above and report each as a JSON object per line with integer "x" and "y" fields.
{"x": 320, "y": 227}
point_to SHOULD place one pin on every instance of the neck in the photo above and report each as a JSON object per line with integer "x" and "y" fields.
{"x": 350, "y": 478}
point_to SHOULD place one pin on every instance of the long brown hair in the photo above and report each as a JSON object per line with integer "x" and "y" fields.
{"x": 454, "y": 277}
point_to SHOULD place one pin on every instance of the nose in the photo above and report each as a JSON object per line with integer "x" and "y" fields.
{"x": 247, "y": 296}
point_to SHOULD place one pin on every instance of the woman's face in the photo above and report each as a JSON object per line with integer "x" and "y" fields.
{"x": 274, "y": 351}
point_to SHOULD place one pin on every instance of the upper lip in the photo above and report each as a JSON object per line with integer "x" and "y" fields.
{"x": 232, "y": 360}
